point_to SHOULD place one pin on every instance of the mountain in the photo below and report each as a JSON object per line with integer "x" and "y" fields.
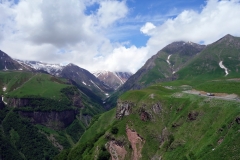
{"x": 194, "y": 114}
{"x": 182, "y": 104}
{"x": 41, "y": 113}
{"x": 53, "y": 69}
{"x": 86, "y": 79}
{"x": 112, "y": 79}
{"x": 7, "y": 63}
{"x": 160, "y": 67}
{"x": 164, "y": 122}
{"x": 164, "y": 65}
{"x": 219, "y": 59}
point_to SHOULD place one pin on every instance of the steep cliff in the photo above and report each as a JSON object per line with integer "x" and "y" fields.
{"x": 52, "y": 119}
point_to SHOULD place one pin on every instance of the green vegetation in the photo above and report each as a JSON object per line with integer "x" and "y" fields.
{"x": 162, "y": 121}
{"x": 36, "y": 92}
{"x": 42, "y": 85}
{"x": 184, "y": 126}
{"x": 25, "y": 138}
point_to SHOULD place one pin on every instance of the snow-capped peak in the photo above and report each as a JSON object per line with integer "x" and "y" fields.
{"x": 112, "y": 79}
{"x": 53, "y": 69}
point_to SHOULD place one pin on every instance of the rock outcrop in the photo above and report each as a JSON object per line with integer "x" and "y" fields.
{"x": 18, "y": 102}
{"x": 117, "y": 152}
{"x": 123, "y": 109}
{"x": 238, "y": 119}
{"x": 157, "y": 108}
{"x": 193, "y": 115}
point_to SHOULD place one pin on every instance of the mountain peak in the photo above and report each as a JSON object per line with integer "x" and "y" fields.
{"x": 228, "y": 36}
{"x": 72, "y": 65}
{"x": 183, "y": 48}
{"x": 229, "y": 40}
{"x": 112, "y": 79}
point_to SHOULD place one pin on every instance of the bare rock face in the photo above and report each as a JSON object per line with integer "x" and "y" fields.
{"x": 157, "y": 108}
{"x": 144, "y": 116}
{"x": 137, "y": 143}
{"x": 123, "y": 109}
{"x": 53, "y": 119}
{"x": 18, "y": 102}
{"x": 117, "y": 152}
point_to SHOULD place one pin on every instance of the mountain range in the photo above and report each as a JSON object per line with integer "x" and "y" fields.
{"x": 113, "y": 79}
{"x": 182, "y": 104}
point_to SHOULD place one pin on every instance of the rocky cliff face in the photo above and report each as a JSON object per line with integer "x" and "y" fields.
{"x": 55, "y": 119}
{"x": 124, "y": 108}
{"x": 18, "y": 102}
{"x": 52, "y": 119}
{"x": 137, "y": 143}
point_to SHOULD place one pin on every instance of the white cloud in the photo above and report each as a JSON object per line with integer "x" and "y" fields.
{"x": 61, "y": 32}
{"x": 126, "y": 59}
{"x": 147, "y": 28}
{"x": 215, "y": 20}
{"x": 110, "y": 11}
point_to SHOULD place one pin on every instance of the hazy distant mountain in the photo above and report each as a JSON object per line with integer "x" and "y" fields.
{"x": 86, "y": 79}
{"x": 113, "y": 79}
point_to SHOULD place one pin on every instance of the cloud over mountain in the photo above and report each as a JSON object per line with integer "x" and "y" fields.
{"x": 81, "y": 31}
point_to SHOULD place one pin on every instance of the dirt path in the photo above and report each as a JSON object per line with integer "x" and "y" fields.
{"x": 25, "y": 82}
{"x": 224, "y": 96}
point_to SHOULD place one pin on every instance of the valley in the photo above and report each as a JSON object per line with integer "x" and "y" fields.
{"x": 183, "y": 103}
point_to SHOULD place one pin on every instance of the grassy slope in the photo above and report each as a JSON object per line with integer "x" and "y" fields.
{"x": 205, "y": 65}
{"x": 23, "y": 84}
{"x": 99, "y": 125}
{"x": 197, "y": 139}
{"x": 26, "y": 84}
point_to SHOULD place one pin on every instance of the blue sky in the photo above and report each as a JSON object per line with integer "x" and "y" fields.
{"x": 115, "y": 35}
{"x": 154, "y": 11}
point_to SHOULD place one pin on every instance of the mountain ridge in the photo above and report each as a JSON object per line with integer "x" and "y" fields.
{"x": 112, "y": 79}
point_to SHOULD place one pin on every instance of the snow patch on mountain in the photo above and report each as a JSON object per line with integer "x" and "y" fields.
{"x": 112, "y": 79}
{"x": 168, "y": 58}
{"x": 223, "y": 67}
{"x": 97, "y": 87}
{"x": 120, "y": 79}
{"x": 53, "y": 69}
{"x": 4, "y": 101}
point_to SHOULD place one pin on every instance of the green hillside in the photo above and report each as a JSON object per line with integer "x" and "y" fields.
{"x": 161, "y": 67}
{"x": 172, "y": 125}
{"x": 173, "y": 119}
{"x": 206, "y": 64}
{"x": 24, "y": 84}
{"x": 42, "y": 115}
{"x": 187, "y": 106}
